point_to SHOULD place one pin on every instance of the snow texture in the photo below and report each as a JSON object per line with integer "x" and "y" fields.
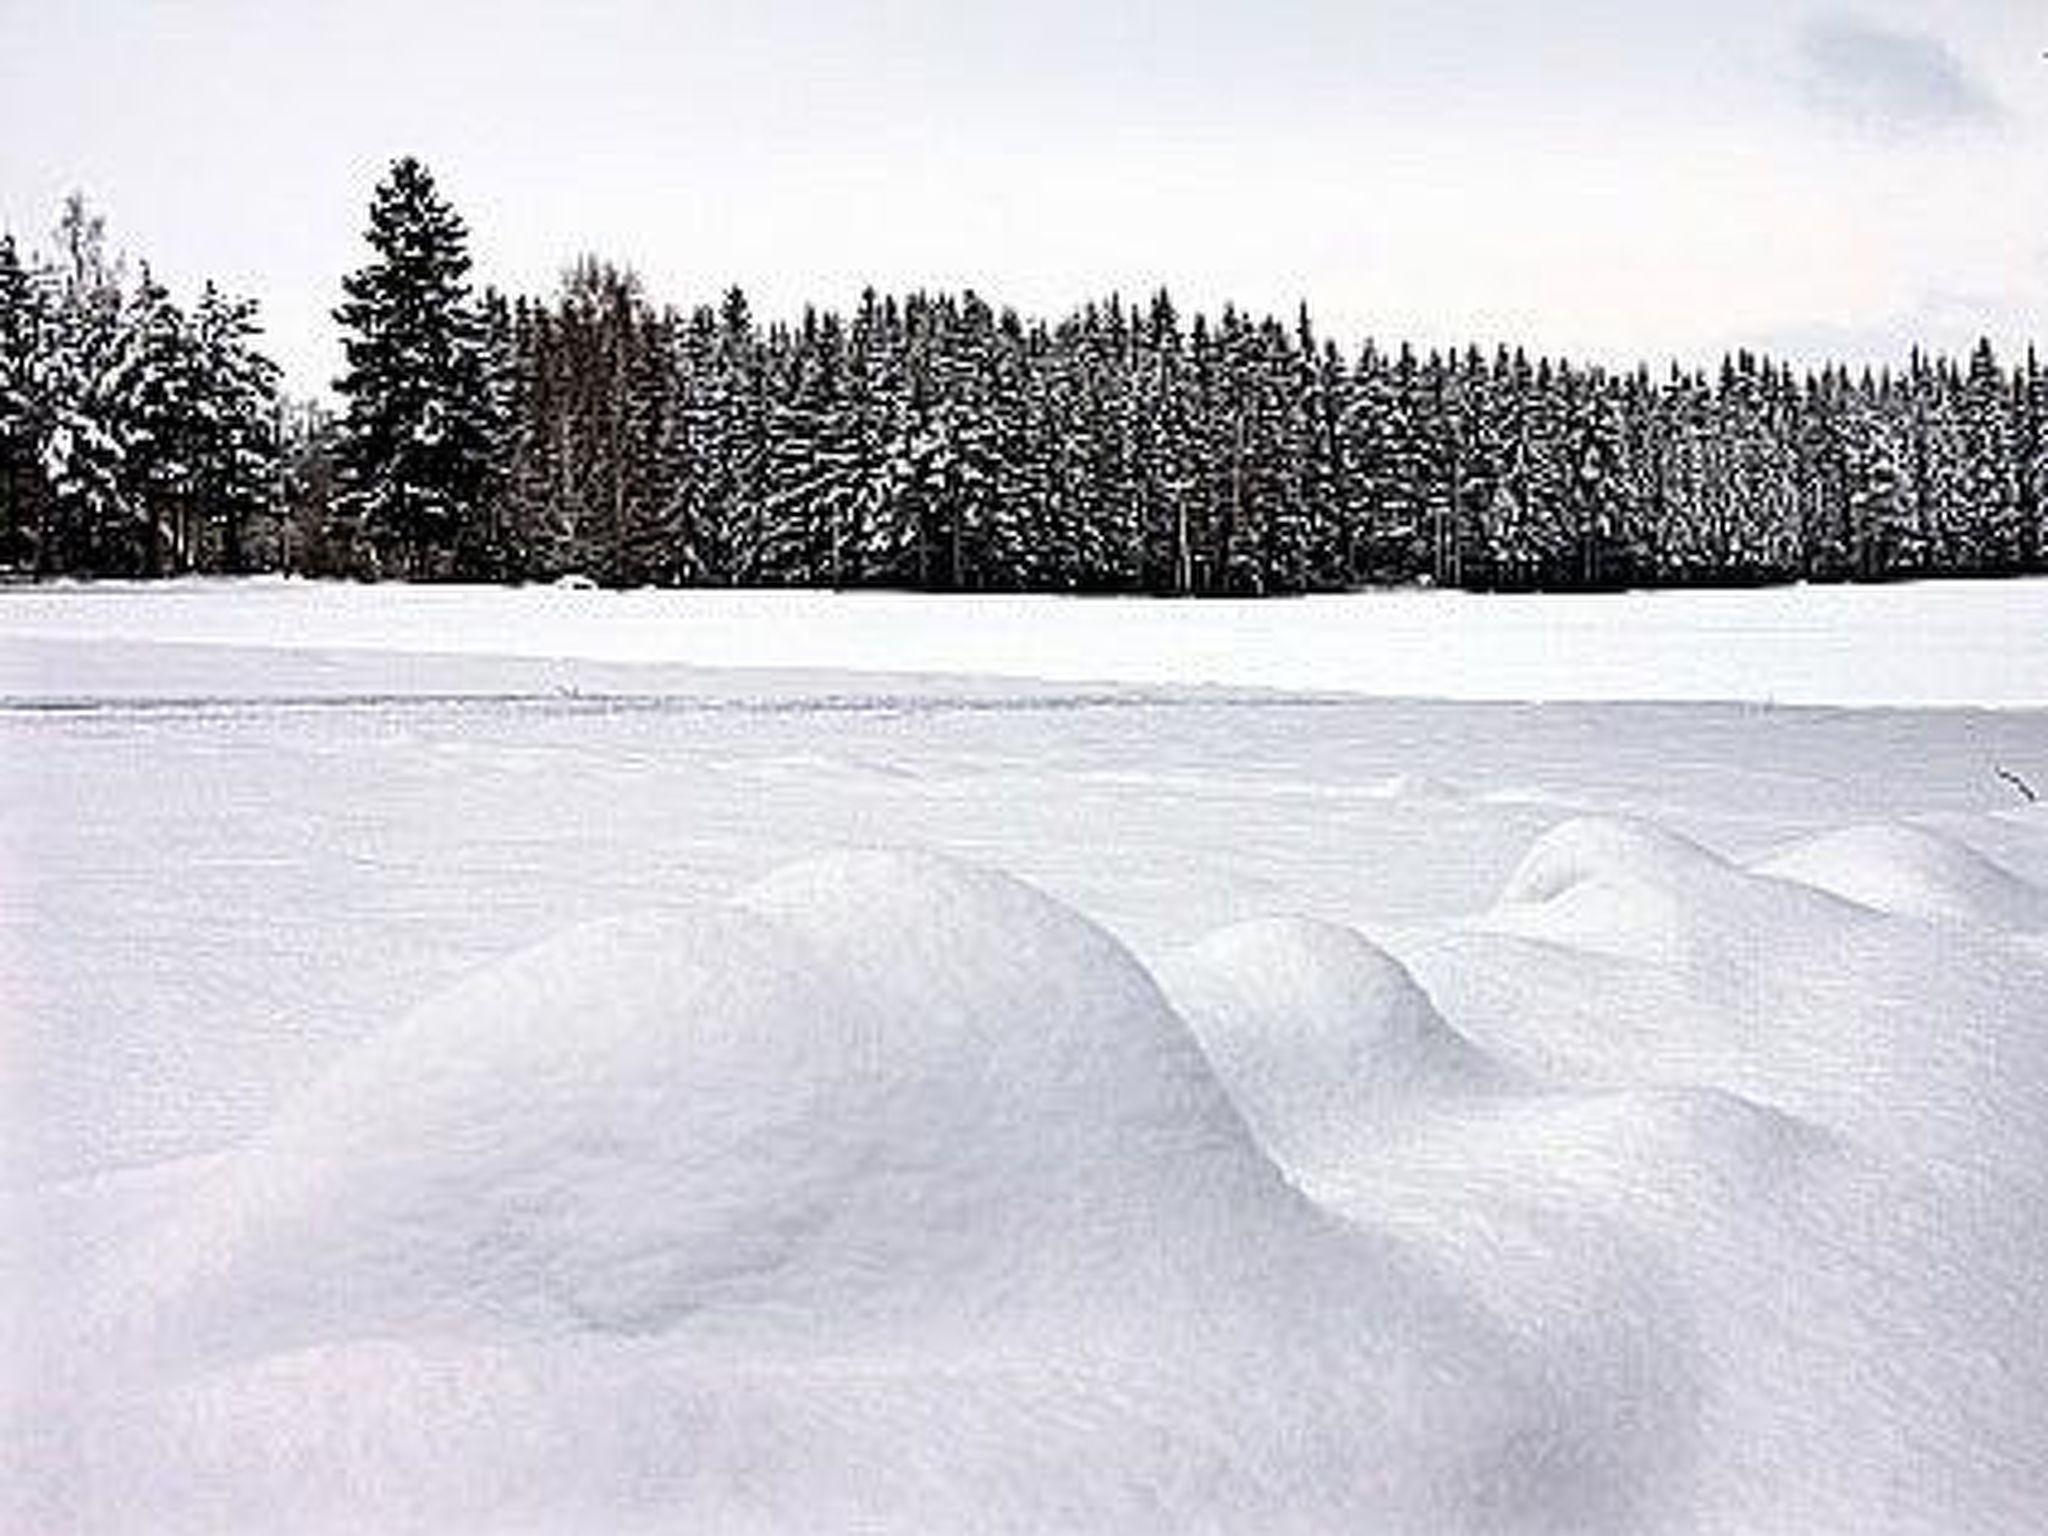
{"x": 1915, "y": 872}
{"x": 493, "y": 1095}
{"x": 1971, "y": 642}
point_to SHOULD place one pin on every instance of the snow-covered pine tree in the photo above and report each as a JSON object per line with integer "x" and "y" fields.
{"x": 494, "y": 548}
{"x": 1481, "y": 419}
{"x": 1099, "y": 544}
{"x": 416, "y": 436}
{"x": 1935, "y": 537}
{"x": 162, "y": 376}
{"x": 908, "y": 537}
{"x": 1380, "y": 442}
{"x": 235, "y": 430}
{"x": 1236, "y": 418}
{"x": 84, "y": 378}
{"x": 967, "y": 471}
{"x": 1476, "y": 453}
{"x": 657, "y": 471}
{"x": 798, "y": 493}
{"x": 1989, "y": 488}
{"x": 858, "y": 455}
{"x": 313, "y": 538}
{"x": 2029, "y": 403}
{"x": 1597, "y": 489}
{"x": 1696, "y": 536}
{"x": 1877, "y": 442}
{"x": 723, "y": 398}
{"x": 1540, "y": 547}
{"x": 1323, "y": 394}
{"x": 1643, "y": 455}
{"x": 1066, "y": 401}
{"x": 1166, "y": 447}
{"x": 996, "y": 468}
{"x": 1823, "y": 477}
{"x": 1761, "y": 529}
{"x": 695, "y": 429}
{"x": 24, "y": 493}
{"x": 1279, "y": 453}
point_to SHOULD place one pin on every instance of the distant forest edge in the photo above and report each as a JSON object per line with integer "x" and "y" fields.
{"x": 937, "y": 443}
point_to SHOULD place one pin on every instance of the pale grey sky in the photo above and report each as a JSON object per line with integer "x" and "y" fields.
{"x": 1614, "y": 178}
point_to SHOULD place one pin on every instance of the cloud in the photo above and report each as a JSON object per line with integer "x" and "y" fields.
{"x": 1899, "y": 83}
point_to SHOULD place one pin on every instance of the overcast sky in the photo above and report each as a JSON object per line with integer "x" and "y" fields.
{"x": 1616, "y": 178}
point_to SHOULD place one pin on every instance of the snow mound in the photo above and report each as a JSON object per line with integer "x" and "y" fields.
{"x": 863, "y": 1071}
{"x": 1622, "y": 955}
{"x": 1913, "y": 872}
{"x": 1637, "y": 891}
{"x": 1324, "y": 1040}
{"x": 1629, "y": 889}
{"x": 1591, "y": 850}
{"x": 889, "y": 1195}
{"x": 1677, "y": 1151}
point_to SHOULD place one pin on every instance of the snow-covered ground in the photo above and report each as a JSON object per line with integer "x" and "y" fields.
{"x": 499, "y": 1061}
{"x": 1934, "y": 643}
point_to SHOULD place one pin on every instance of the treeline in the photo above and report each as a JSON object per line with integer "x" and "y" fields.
{"x": 939, "y": 443}
{"x": 137, "y": 437}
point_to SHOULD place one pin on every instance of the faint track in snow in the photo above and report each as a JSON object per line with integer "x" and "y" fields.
{"x": 581, "y": 702}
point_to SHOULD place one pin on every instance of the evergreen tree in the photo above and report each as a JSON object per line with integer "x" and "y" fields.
{"x": 2029, "y": 405}
{"x": 164, "y": 375}
{"x": 86, "y": 378}
{"x": 1166, "y": 449}
{"x": 1877, "y": 441}
{"x": 313, "y": 538}
{"x": 1990, "y": 500}
{"x": 235, "y": 430}
{"x": 23, "y": 324}
{"x": 417, "y": 434}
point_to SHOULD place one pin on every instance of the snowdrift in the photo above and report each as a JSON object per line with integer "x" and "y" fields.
{"x": 1915, "y": 872}
{"x": 1324, "y": 1040}
{"x": 890, "y": 1194}
{"x": 893, "y": 1195}
{"x": 1809, "y": 1136}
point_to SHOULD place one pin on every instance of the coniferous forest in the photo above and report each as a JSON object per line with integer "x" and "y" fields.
{"x": 938, "y": 442}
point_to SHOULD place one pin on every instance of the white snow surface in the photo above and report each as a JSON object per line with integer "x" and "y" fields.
{"x": 544, "y": 1091}
{"x": 1931, "y": 643}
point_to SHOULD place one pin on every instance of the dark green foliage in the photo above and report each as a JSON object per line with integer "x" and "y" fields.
{"x": 937, "y": 444}
{"x": 940, "y": 443}
{"x": 136, "y": 438}
{"x": 417, "y": 434}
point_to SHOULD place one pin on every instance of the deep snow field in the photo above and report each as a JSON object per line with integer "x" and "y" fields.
{"x": 586, "y": 1062}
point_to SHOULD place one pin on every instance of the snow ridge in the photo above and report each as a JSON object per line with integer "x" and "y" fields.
{"x": 893, "y": 1194}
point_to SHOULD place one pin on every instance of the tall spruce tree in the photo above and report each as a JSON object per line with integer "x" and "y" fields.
{"x": 23, "y": 321}
{"x": 417, "y": 434}
{"x": 87, "y": 381}
{"x": 237, "y": 429}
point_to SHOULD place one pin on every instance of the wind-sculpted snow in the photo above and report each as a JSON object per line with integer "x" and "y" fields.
{"x": 1621, "y": 953}
{"x": 890, "y": 1194}
{"x": 1327, "y": 1044}
{"x": 1810, "y": 1138}
{"x": 893, "y": 1195}
{"x": 1915, "y": 873}
{"x": 872, "y": 1080}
